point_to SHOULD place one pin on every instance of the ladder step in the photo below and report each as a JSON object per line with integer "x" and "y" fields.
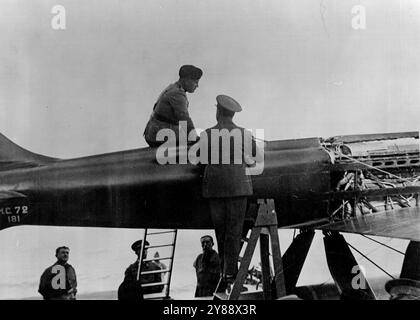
{"x": 155, "y": 296}
{"x": 154, "y": 284}
{"x": 156, "y": 271}
{"x": 160, "y": 232}
{"x": 160, "y": 246}
{"x": 245, "y": 239}
{"x": 158, "y": 259}
{"x": 221, "y": 296}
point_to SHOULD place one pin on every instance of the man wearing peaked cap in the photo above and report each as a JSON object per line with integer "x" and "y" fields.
{"x": 407, "y": 287}
{"x": 136, "y": 246}
{"x": 130, "y": 288}
{"x": 226, "y": 185}
{"x": 403, "y": 289}
{"x": 228, "y": 103}
{"x": 172, "y": 106}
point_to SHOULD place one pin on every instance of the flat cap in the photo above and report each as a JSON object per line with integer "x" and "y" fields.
{"x": 191, "y": 72}
{"x": 228, "y": 103}
{"x": 136, "y": 245}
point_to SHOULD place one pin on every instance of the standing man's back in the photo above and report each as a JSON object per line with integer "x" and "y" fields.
{"x": 225, "y": 182}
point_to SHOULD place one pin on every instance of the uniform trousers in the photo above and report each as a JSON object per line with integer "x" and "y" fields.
{"x": 228, "y": 216}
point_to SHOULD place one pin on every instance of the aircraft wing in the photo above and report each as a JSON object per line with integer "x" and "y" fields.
{"x": 401, "y": 223}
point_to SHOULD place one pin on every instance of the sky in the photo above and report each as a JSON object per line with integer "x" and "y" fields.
{"x": 298, "y": 68}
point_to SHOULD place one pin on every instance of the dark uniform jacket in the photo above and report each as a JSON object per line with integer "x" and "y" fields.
{"x": 170, "y": 108}
{"x": 49, "y": 293}
{"x": 227, "y": 180}
{"x": 207, "y": 268}
{"x": 131, "y": 276}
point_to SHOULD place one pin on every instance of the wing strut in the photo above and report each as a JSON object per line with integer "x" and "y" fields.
{"x": 294, "y": 258}
{"x": 345, "y": 270}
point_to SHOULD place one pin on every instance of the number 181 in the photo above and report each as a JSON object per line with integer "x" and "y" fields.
{"x": 13, "y": 219}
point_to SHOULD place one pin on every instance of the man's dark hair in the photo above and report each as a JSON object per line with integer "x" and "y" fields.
{"x": 190, "y": 72}
{"x": 207, "y": 236}
{"x": 59, "y": 248}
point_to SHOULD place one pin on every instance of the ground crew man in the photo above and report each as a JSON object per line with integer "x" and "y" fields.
{"x": 407, "y": 287}
{"x": 130, "y": 282}
{"x": 225, "y": 183}
{"x": 207, "y": 268}
{"x": 58, "y": 282}
{"x": 171, "y": 107}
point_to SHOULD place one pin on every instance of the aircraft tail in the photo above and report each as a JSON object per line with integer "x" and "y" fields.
{"x": 13, "y": 156}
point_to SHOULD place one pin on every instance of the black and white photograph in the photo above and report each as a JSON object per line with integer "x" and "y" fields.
{"x": 211, "y": 151}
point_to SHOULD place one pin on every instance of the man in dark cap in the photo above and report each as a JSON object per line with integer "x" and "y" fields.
{"x": 403, "y": 289}
{"x": 408, "y": 286}
{"x": 207, "y": 268}
{"x": 171, "y": 107}
{"x": 226, "y": 183}
{"x": 58, "y": 282}
{"x": 130, "y": 288}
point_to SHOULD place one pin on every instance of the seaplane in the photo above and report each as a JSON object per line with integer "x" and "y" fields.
{"x": 367, "y": 184}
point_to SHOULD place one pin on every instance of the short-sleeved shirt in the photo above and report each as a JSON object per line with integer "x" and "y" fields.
{"x": 207, "y": 268}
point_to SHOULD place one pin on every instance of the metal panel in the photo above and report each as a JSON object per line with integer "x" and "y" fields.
{"x": 371, "y": 137}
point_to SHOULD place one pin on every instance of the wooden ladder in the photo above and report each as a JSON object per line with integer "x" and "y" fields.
{"x": 265, "y": 228}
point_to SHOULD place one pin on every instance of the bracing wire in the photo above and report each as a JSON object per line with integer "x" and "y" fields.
{"x": 389, "y": 247}
{"x": 371, "y": 261}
